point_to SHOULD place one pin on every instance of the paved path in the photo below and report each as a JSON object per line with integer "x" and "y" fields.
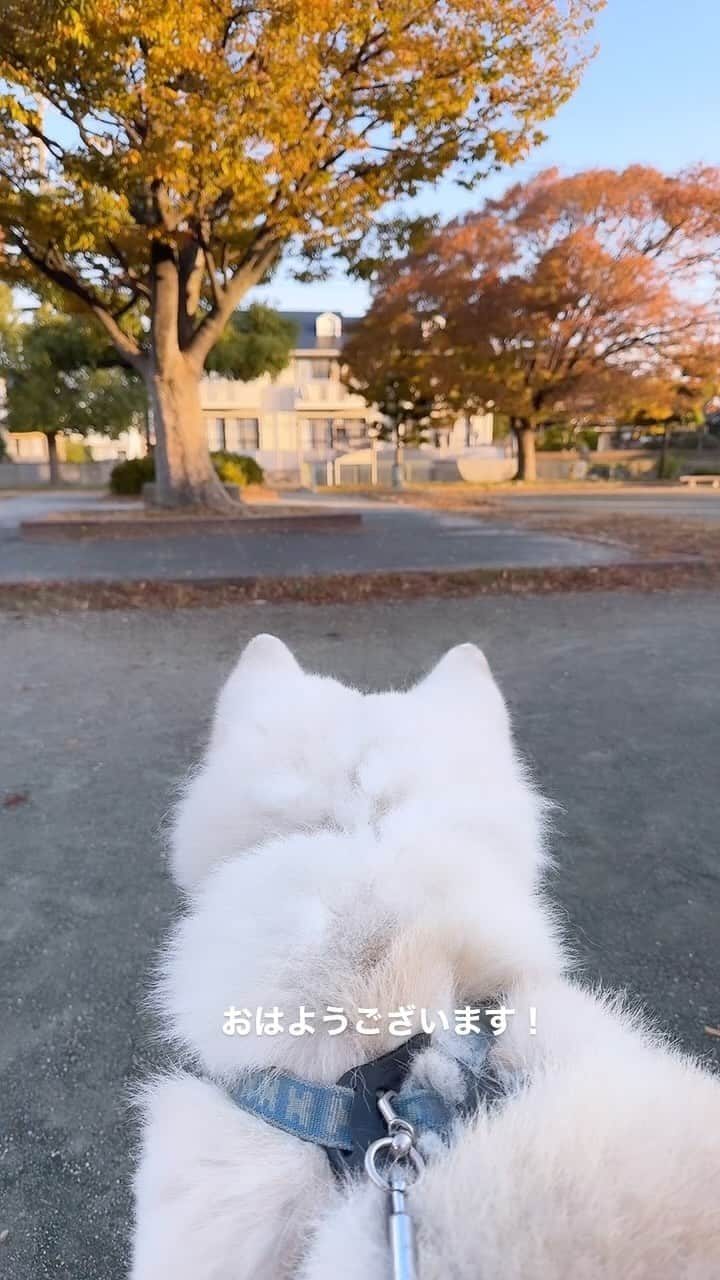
{"x": 35, "y": 504}
{"x": 391, "y": 538}
{"x": 616, "y": 701}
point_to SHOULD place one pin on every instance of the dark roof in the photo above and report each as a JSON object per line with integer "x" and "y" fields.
{"x": 304, "y": 322}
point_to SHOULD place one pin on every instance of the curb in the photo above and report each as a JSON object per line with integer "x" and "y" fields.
{"x": 340, "y": 588}
{"x": 51, "y": 530}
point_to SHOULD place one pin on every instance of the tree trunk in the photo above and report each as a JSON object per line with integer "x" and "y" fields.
{"x": 53, "y": 460}
{"x": 184, "y": 473}
{"x": 398, "y": 469}
{"x": 663, "y": 464}
{"x": 525, "y": 436}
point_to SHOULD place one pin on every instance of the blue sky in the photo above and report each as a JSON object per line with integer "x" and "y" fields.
{"x": 652, "y": 95}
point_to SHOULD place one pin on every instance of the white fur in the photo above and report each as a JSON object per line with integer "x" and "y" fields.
{"x": 378, "y": 850}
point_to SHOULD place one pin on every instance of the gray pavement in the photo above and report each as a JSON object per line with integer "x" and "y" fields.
{"x": 391, "y": 538}
{"x": 35, "y": 504}
{"x": 616, "y": 702}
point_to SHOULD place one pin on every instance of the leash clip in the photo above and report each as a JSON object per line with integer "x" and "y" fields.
{"x": 403, "y": 1156}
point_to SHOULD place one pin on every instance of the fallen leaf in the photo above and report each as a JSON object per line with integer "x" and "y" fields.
{"x": 15, "y": 798}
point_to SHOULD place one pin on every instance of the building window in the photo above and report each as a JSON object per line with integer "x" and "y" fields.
{"x": 316, "y": 433}
{"x": 349, "y": 433}
{"x": 242, "y": 435}
{"x": 216, "y": 434}
{"x": 314, "y": 369}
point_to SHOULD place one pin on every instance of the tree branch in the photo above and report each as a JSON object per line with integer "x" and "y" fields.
{"x": 251, "y": 270}
{"x": 161, "y": 205}
{"x": 218, "y": 293}
{"x": 61, "y": 275}
{"x": 135, "y": 282}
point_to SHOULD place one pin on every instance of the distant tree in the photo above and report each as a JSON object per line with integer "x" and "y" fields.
{"x": 674, "y": 397}
{"x": 62, "y": 378}
{"x": 564, "y": 293}
{"x": 256, "y": 340}
{"x": 160, "y": 158}
{"x": 393, "y": 375}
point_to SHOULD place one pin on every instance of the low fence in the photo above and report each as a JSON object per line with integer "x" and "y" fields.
{"x": 615, "y": 464}
{"x": 643, "y": 464}
{"x": 34, "y": 475}
{"x": 359, "y": 475}
{"x": 416, "y": 469}
{"x": 619, "y": 464}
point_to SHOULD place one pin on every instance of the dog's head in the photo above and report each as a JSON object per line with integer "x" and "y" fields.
{"x": 292, "y": 751}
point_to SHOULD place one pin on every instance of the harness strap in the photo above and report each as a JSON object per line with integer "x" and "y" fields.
{"x": 343, "y": 1117}
{"x": 322, "y": 1113}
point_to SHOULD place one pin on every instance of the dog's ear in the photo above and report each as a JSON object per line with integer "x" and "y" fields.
{"x": 265, "y": 665}
{"x": 265, "y": 653}
{"x": 458, "y": 668}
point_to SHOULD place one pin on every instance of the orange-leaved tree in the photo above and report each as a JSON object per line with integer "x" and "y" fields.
{"x": 674, "y": 396}
{"x": 565, "y": 293}
{"x": 159, "y": 155}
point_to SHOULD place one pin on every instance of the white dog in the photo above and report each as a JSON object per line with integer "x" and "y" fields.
{"x": 363, "y": 853}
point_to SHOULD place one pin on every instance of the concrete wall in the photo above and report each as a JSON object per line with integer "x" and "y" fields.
{"x": 566, "y": 464}
{"x": 477, "y": 470}
{"x": 33, "y": 475}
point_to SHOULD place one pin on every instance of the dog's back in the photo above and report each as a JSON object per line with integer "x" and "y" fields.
{"x": 391, "y": 859}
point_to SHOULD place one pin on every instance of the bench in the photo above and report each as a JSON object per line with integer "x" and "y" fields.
{"x": 713, "y": 481}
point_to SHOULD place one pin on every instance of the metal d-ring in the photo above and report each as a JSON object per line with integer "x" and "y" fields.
{"x": 382, "y": 1180}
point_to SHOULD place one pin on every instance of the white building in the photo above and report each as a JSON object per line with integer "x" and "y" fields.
{"x": 305, "y": 414}
{"x": 302, "y": 415}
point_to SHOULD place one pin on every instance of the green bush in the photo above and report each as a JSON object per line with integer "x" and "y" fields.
{"x": 127, "y": 478}
{"x": 588, "y": 437}
{"x": 236, "y": 468}
{"x": 710, "y": 469}
{"x": 669, "y": 468}
{"x": 550, "y": 439}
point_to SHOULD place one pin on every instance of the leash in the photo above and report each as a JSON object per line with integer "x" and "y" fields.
{"x": 368, "y": 1121}
{"x": 399, "y": 1145}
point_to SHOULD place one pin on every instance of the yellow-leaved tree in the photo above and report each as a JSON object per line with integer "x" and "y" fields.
{"x": 158, "y": 156}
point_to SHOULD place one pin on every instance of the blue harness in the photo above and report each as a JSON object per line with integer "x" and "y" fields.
{"x": 344, "y": 1118}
